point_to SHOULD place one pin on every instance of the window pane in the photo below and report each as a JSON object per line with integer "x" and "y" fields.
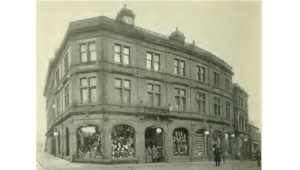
{"x": 177, "y": 102}
{"x": 177, "y": 91}
{"x": 117, "y": 58}
{"x": 93, "y": 95}
{"x": 182, "y": 71}
{"x": 83, "y": 82}
{"x": 156, "y": 66}
{"x": 117, "y": 48}
{"x": 149, "y": 56}
{"x": 126, "y": 83}
{"x": 156, "y": 58}
{"x": 93, "y": 81}
{"x": 157, "y": 88}
{"x": 175, "y": 70}
{"x": 148, "y": 63}
{"x": 182, "y": 64}
{"x": 127, "y": 96}
{"x": 117, "y": 82}
{"x": 150, "y": 87}
{"x": 182, "y": 92}
{"x": 84, "y": 96}
{"x": 118, "y": 95}
{"x": 182, "y": 104}
{"x": 150, "y": 99}
{"x": 125, "y": 59}
{"x": 126, "y": 50}
{"x": 83, "y": 48}
{"x": 93, "y": 56}
{"x": 203, "y": 97}
{"x": 176, "y": 62}
{"x": 157, "y": 100}
{"x": 89, "y": 141}
{"x": 83, "y": 57}
{"x": 92, "y": 46}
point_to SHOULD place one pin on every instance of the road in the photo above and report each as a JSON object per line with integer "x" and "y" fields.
{"x": 48, "y": 162}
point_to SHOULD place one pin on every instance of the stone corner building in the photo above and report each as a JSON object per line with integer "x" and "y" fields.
{"x": 115, "y": 90}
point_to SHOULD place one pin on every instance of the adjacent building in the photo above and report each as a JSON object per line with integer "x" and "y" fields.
{"x": 115, "y": 91}
{"x": 240, "y": 123}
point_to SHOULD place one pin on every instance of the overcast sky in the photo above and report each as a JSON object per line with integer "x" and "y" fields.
{"x": 230, "y": 30}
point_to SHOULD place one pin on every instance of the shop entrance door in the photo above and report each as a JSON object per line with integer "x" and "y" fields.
{"x": 53, "y": 146}
{"x": 154, "y": 144}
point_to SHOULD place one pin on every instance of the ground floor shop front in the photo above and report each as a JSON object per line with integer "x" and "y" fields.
{"x": 115, "y": 138}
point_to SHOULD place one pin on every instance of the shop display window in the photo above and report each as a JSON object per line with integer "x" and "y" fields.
{"x": 180, "y": 142}
{"x": 123, "y": 141}
{"x": 226, "y": 146}
{"x": 89, "y": 142}
{"x": 200, "y": 143}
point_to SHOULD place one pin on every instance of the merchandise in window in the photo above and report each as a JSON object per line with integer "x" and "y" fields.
{"x": 123, "y": 142}
{"x": 200, "y": 143}
{"x": 180, "y": 142}
{"x": 89, "y": 142}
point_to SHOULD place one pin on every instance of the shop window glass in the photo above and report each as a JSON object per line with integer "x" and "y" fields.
{"x": 180, "y": 142}
{"x": 123, "y": 141}
{"x": 200, "y": 144}
{"x": 89, "y": 142}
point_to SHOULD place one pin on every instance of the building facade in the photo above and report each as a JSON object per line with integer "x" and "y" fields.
{"x": 240, "y": 123}
{"x": 255, "y": 140}
{"x": 115, "y": 91}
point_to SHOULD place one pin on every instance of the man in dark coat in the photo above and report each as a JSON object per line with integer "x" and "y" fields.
{"x": 217, "y": 152}
{"x": 258, "y": 158}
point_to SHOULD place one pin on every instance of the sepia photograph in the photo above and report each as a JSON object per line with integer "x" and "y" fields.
{"x": 146, "y": 85}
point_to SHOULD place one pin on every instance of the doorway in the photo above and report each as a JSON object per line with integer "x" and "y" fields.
{"x": 154, "y": 144}
{"x": 53, "y": 146}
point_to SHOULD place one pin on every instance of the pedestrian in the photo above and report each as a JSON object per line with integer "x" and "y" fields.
{"x": 154, "y": 154}
{"x": 258, "y": 157}
{"x": 217, "y": 152}
{"x": 148, "y": 154}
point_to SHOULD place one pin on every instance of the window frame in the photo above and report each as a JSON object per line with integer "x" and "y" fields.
{"x": 88, "y": 52}
{"x": 180, "y": 67}
{"x": 217, "y": 106}
{"x": 152, "y": 61}
{"x": 155, "y": 102}
{"x": 180, "y": 98}
{"x": 89, "y": 88}
{"x": 122, "y": 54}
{"x": 123, "y": 89}
{"x": 216, "y": 79}
{"x": 201, "y": 102}
{"x": 200, "y": 76}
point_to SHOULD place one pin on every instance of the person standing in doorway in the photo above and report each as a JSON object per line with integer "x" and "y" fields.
{"x": 154, "y": 154}
{"x": 217, "y": 152}
{"x": 258, "y": 157}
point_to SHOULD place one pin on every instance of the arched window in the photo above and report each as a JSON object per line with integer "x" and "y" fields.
{"x": 123, "y": 141}
{"x": 200, "y": 143}
{"x": 180, "y": 142}
{"x": 89, "y": 142}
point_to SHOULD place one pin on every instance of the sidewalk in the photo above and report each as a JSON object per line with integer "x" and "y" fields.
{"x": 46, "y": 161}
